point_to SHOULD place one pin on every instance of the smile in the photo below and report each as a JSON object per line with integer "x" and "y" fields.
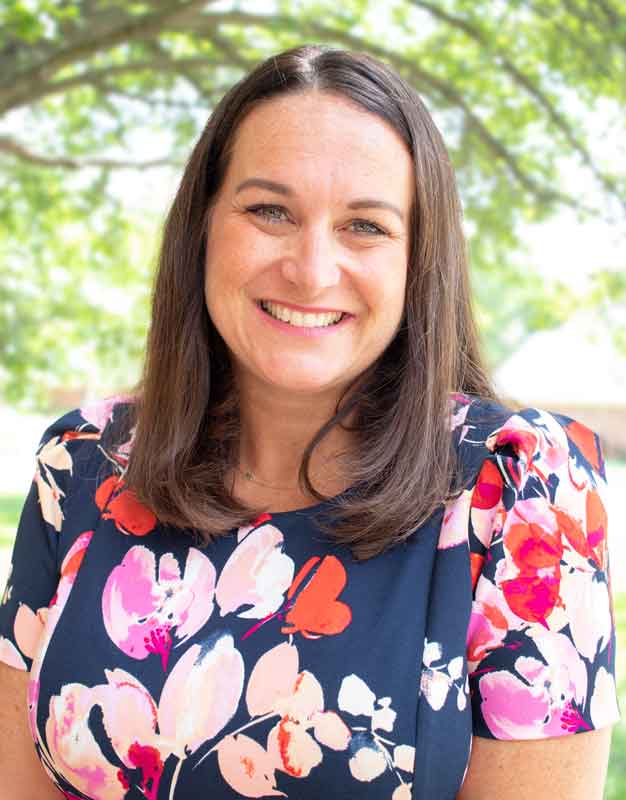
{"x": 300, "y": 319}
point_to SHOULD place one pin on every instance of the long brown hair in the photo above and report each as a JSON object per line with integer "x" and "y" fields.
{"x": 185, "y": 410}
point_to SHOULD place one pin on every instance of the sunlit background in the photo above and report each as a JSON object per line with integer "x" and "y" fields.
{"x": 100, "y": 105}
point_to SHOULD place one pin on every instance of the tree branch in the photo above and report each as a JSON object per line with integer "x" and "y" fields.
{"x": 444, "y": 89}
{"x": 20, "y": 151}
{"x": 134, "y": 28}
{"x": 566, "y": 35}
{"x": 473, "y": 32}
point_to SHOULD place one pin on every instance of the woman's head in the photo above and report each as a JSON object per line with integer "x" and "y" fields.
{"x": 313, "y": 215}
{"x": 412, "y": 340}
{"x": 309, "y": 87}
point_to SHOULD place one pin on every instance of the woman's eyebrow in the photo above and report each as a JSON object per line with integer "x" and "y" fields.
{"x": 281, "y": 188}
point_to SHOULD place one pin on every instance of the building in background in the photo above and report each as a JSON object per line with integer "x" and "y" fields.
{"x": 576, "y": 369}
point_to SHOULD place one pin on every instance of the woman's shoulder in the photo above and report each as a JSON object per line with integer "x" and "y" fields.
{"x": 524, "y": 441}
{"x": 106, "y": 418}
{"x": 77, "y": 448}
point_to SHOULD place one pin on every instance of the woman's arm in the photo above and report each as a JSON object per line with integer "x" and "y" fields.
{"x": 21, "y": 775}
{"x": 569, "y": 767}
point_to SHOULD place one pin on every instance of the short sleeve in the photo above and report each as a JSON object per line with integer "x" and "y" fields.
{"x": 41, "y": 540}
{"x": 541, "y": 638}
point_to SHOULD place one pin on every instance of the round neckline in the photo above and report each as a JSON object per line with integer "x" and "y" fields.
{"x": 314, "y": 509}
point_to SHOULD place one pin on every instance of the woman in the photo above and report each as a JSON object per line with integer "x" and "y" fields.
{"x": 312, "y": 553}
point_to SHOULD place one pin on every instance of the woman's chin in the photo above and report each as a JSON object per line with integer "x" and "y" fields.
{"x": 304, "y": 382}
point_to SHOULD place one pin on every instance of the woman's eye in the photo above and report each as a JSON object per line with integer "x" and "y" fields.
{"x": 372, "y": 228}
{"x": 266, "y": 212}
{"x": 272, "y": 214}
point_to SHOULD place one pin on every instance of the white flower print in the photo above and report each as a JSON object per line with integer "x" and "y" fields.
{"x": 437, "y": 681}
{"x": 372, "y": 754}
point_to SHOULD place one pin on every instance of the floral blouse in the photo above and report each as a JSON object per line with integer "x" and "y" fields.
{"x": 272, "y": 663}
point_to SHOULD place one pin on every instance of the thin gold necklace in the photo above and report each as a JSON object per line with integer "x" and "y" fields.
{"x": 248, "y": 475}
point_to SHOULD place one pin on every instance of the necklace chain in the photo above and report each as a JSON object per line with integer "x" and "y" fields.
{"x": 249, "y": 476}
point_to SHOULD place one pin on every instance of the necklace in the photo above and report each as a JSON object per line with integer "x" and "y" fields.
{"x": 250, "y": 477}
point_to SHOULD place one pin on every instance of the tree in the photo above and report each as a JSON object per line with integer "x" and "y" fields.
{"x": 79, "y": 80}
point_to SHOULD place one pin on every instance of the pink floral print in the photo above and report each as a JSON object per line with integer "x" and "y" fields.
{"x": 145, "y": 609}
{"x": 272, "y": 664}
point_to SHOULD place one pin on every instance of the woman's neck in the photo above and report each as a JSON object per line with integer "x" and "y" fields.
{"x": 275, "y": 431}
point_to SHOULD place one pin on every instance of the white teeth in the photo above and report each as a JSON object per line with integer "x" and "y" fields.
{"x": 300, "y": 319}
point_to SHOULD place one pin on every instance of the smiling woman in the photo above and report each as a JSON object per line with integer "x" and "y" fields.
{"x": 311, "y": 554}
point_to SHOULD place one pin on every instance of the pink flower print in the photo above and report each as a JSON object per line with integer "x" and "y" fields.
{"x": 142, "y": 735}
{"x": 512, "y": 709}
{"x": 100, "y": 412}
{"x": 201, "y": 694}
{"x": 455, "y": 525}
{"x": 291, "y": 747}
{"x": 403, "y": 792}
{"x": 129, "y": 717}
{"x": 572, "y": 719}
{"x": 28, "y": 627}
{"x": 457, "y": 419}
{"x": 247, "y": 767}
{"x": 486, "y": 631}
{"x": 293, "y": 741}
{"x": 272, "y": 680}
{"x": 144, "y": 611}
{"x": 11, "y": 655}
{"x": 256, "y": 575}
{"x": 541, "y": 446}
{"x": 545, "y": 703}
{"x": 277, "y": 688}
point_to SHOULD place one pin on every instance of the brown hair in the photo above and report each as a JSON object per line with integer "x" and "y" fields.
{"x": 186, "y": 411}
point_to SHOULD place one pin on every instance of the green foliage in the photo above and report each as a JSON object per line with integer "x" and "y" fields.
{"x": 509, "y": 84}
{"x": 616, "y": 779}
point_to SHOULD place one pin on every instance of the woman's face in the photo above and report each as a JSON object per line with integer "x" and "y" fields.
{"x": 312, "y": 219}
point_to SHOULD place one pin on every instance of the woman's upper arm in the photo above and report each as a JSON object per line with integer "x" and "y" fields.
{"x": 541, "y": 640}
{"x": 559, "y": 768}
{"x": 20, "y": 767}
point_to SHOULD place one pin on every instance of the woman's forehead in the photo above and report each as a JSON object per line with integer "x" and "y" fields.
{"x": 321, "y": 137}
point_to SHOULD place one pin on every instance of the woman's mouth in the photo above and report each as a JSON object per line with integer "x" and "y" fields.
{"x": 301, "y": 319}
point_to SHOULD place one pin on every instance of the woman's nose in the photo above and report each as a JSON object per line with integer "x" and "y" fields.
{"x": 313, "y": 265}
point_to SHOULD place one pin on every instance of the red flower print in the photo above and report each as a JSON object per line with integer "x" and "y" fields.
{"x": 573, "y": 531}
{"x": 315, "y": 610}
{"x": 488, "y": 491}
{"x": 596, "y": 528}
{"x": 532, "y": 547}
{"x": 476, "y": 566}
{"x": 122, "y": 506}
{"x": 589, "y": 542}
{"x": 533, "y": 598}
{"x": 78, "y": 435}
{"x": 586, "y": 441}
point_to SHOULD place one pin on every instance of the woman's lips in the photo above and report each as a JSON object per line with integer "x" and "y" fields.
{"x": 300, "y": 330}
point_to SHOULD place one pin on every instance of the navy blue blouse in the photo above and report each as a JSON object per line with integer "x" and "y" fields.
{"x": 272, "y": 663}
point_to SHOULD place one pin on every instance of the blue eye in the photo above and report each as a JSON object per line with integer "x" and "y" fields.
{"x": 271, "y": 214}
{"x": 375, "y": 229}
{"x": 263, "y": 212}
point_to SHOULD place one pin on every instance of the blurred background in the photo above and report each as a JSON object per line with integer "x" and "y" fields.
{"x": 100, "y": 103}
